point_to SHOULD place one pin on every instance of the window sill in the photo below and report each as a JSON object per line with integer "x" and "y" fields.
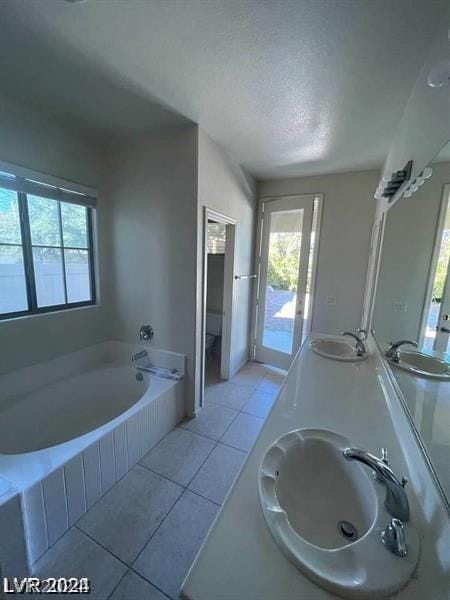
{"x": 48, "y": 313}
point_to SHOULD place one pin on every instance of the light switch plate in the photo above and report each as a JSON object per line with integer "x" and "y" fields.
{"x": 331, "y": 300}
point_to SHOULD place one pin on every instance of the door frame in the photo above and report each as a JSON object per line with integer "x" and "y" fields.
{"x": 317, "y": 197}
{"x": 445, "y": 201}
{"x": 373, "y": 271}
{"x": 228, "y": 294}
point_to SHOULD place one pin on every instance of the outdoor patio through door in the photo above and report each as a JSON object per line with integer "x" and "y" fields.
{"x": 282, "y": 298}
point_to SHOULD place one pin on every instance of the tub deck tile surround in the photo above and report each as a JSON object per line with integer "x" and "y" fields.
{"x": 120, "y": 450}
{"x": 56, "y": 505}
{"x": 13, "y": 553}
{"x": 74, "y": 481}
{"x": 107, "y": 461}
{"x": 92, "y": 477}
{"x": 104, "y": 463}
{"x": 201, "y": 470}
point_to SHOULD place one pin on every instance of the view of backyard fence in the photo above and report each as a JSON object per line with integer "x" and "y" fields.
{"x": 49, "y": 285}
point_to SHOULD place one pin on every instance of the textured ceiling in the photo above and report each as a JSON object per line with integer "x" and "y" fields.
{"x": 287, "y": 87}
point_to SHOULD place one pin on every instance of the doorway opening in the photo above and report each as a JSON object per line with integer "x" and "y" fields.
{"x": 218, "y": 283}
{"x": 435, "y": 326}
{"x": 289, "y": 240}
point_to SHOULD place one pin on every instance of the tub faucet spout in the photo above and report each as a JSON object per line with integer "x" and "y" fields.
{"x": 138, "y": 355}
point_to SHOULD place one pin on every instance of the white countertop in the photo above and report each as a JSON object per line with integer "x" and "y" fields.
{"x": 239, "y": 559}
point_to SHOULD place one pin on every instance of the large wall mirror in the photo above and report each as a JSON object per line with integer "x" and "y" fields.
{"x": 412, "y": 304}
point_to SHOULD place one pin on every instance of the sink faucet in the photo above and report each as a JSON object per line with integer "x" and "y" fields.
{"x": 359, "y": 346}
{"x": 393, "y": 537}
{"x": 396, "y": 501}
{"x": 393, "y": 352}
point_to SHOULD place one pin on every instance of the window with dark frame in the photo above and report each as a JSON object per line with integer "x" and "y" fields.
{"x": 46, "y": 249}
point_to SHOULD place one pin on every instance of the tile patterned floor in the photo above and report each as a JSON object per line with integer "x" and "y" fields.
{"x": 140, "y": 539}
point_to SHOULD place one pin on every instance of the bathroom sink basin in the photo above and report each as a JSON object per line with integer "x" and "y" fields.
{"x": 336, "y": 348}
{"x": 423, "y": 365}
{"x": 327, "y": 513}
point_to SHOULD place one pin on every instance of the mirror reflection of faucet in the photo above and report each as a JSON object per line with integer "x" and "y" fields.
{"x": 393, "y": 351}
{"x": 360, "y": 347}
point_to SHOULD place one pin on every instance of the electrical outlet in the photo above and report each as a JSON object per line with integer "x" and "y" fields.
{"x": 331, "y": 300}
{"x": 400, "y": 307}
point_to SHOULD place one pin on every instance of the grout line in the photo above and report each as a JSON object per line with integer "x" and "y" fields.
{"x": 150, "y": 582}
{"x": 236, "y": 448}
{"x": 200, "y": 467}
{"x": 118, "y": 583}
{"x": 185, "y": 488}
{"x": 118, "y": 558}
{"x": 129, "y": 568}
{"x": 225, "y": 406}
{"x": 203, "y": 497}
{"x": 88, "y": 535}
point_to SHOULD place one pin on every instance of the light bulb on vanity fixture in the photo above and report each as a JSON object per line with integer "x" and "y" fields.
{"x": 427, "y": 172}
{"x": 439, "y": 76}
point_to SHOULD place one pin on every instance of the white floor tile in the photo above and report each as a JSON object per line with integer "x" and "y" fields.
{"x": 271, "y": 383}
{"x": 169, "y": 554}
{"x": 228, "y": 394}
{"x": 124, "y": 519}
{"x": 218, "y": 473}
{"x": 243, "y": 432}
{"x": 133, "y": 587}
{"x": 75, "y": 555}
{"x": 259, "y": 404}
{"x": 212, "y": 421}
{"x": 179, "y": 455}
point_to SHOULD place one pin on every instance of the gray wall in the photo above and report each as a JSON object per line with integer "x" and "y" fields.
{"x": 347, "y": 219}
{"x": 152, "y": 193}
{"x": 214, "y": 288}
{"x": 31, "y": 140}
{"x": 405, "y": 260}
{"x": 224, "y": 187}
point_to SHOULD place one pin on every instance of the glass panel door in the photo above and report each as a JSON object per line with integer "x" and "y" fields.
{"x": 285, "y": 250}
{"x": 437, "y": 325}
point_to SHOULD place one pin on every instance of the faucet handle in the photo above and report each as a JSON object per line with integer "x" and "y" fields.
{"x": 385, "y": 460}
{"x": 393, "y": 537}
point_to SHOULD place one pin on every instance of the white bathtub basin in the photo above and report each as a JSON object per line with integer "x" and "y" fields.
{"x": 68, "y": 408}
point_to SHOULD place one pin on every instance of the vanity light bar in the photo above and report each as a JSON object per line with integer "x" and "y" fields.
{"x": 418, "y": 181}
{"x": 397, "y": 180}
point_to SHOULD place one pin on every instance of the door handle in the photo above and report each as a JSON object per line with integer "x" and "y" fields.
{"x": 445, "y": 330}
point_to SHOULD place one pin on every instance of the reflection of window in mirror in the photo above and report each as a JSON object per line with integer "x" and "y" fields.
{"x": 435, "y": 322}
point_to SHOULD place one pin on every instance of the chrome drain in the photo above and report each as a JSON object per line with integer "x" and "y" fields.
{"x": 348, "y": 531}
